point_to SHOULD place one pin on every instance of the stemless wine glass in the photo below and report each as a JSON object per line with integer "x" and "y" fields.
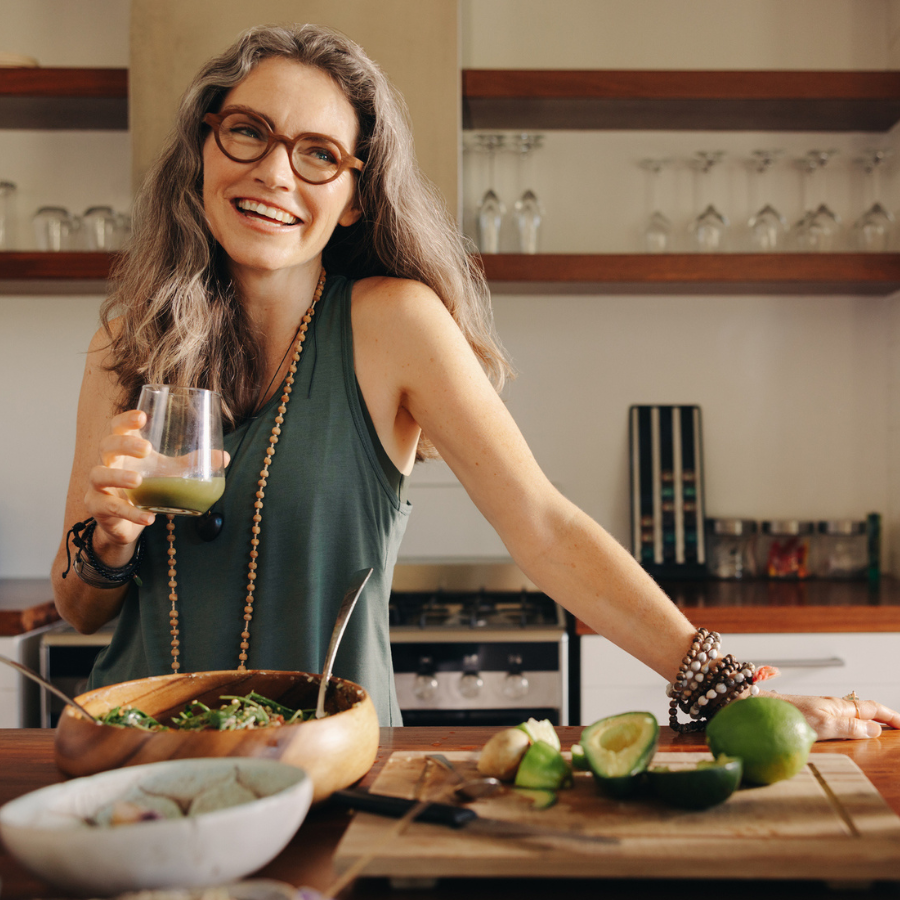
{"x": 658, "y": 228}
{"x": 873, "y": 228}
{"x": 184, "y": 474}
{"x": 767, "y": 226}
{"x": 491, "y": 209}
{"x": 709, "y": 228}
{"x": 529, "y": 210}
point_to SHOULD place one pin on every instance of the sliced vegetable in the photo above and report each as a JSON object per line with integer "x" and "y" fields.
{"x": 541, "y": 731}
{"x": 711, "y": 782}
{"x": 540, "y": 799}
{"x": 619, "y": 748}
{"x": 543, "y": 767}
{"x": 503, "y": 752}
{"x": 579, "y": 760}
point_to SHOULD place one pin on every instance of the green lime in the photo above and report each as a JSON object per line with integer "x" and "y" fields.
{"x": 543, "y": 767}
{"x": 709, "y": 783}
{"x": 769, "y": 735}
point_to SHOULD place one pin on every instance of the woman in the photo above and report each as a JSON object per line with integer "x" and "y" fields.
{"x": 291, "y": 159}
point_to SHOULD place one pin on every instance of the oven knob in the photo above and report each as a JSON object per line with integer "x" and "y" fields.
{"x": 470, "y": 685}
{"x": 515, "y": 686}
{"x": 425, "y": 687}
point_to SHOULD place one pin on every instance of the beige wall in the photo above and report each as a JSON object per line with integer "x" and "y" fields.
{"x": 414, "y": 41}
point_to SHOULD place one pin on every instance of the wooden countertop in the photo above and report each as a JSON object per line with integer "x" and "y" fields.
{"x": 28, "y": 764}
{"x": 766, "y": 607}
{"x": 25, "y": 604}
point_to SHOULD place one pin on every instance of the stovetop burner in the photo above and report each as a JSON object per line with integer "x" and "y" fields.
{"x": 479, "y": 610}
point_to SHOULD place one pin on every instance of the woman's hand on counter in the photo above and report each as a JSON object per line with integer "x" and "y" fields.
{"x": 839, "y": 718}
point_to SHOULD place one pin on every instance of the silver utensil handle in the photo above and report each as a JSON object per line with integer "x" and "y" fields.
{"x": 825, "y": 662}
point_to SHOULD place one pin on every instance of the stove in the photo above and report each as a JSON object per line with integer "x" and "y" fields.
{"x": 476, "y": 644}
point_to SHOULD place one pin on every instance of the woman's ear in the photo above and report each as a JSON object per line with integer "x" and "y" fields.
{"x": 351, "y": 213}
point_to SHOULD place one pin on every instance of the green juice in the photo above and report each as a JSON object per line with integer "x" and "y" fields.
{"x": 181, "y": 496}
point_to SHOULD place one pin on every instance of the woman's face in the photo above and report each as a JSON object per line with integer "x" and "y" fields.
{"x": 296, "y": 219}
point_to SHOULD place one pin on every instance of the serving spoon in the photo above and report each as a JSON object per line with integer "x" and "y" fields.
{"x": 47, "y": 686}
{"x": 356, "y": 585}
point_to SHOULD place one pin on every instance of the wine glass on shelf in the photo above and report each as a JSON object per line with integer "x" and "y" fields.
{"x": 709, "y": 228}
{"x": 820, "y": 227}
{"x": 529, "y": 212}
{"x": 491, "y": 209}
{"x": 658, "y": 227}
{"x": 873, "y": 228}
{"x": 768, "y": 228}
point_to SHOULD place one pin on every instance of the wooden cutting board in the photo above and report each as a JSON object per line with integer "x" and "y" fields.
{"x": 827, "y": 823}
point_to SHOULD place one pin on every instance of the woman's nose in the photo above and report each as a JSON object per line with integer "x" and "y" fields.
{"x": 274, "y": 169}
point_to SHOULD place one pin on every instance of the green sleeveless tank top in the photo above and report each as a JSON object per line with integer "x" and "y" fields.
{"x": 329, "y": 510}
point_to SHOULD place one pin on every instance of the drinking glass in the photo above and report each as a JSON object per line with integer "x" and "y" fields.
{"x": 820, "y": 227}
{"x": 658, "y": 229}
{"x": 709, "y": 228}
{"x": 53, "y": 227}
{"x": 529, "y": 210}
{"x": 101, "y": 224}
{"x": 768, "y": 228}
{"x": 491, "y": 209}
{"x": 7, "y": 215}
{"x": 872, "y": 229}
{"x": 184, "y": 474}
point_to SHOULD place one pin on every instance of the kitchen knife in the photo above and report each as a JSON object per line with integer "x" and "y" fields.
{"x": 459, "y": 817}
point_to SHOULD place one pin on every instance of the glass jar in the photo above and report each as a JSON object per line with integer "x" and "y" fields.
{"x": 784, "y": 548}
{"x": 842, "y": 549}
{"x": 730, "y": 548}
{"x": 7, "y": 215}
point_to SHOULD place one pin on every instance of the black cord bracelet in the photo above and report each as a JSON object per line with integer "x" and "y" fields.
{"x": 90, "y": 568}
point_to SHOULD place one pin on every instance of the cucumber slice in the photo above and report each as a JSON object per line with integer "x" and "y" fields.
{"x": 620, "y": 746}
{"x": 543, "y": 767}
{"x": 711, "y": 782}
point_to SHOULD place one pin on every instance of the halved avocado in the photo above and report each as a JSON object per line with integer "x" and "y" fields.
{"x": 711, "y": 782}
{"x": 619, "y": 748}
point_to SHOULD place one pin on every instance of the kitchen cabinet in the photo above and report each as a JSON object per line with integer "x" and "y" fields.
{"x": 687, "y": 100}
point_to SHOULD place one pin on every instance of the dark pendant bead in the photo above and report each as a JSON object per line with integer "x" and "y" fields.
{"x": 209, "y": 525}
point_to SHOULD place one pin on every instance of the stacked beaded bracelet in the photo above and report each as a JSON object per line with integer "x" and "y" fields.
{"x": 90, "y": 568}
{"x": 706, "y": 682}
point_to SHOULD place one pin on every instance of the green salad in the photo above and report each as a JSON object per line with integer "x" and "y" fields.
{"x": 236, "y": 713}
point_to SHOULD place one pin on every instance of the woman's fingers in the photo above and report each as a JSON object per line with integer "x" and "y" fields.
{"x": 843, "y": 718}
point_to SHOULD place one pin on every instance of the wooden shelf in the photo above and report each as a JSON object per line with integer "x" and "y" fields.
{"x": 764, "y": 607}
{"x": 64, "y": 98}
{"x": 680, "y": 100}
{"x": 723, "y": 273}
{"x": 54, "y": 273}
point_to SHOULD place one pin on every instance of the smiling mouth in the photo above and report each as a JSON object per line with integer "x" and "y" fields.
{"x": 268, "y": 213}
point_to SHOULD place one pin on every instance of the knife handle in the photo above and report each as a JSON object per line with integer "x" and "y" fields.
{"x": 436, "y": 813}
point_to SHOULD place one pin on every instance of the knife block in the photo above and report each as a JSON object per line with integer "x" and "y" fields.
{"x": 667, "y": 501}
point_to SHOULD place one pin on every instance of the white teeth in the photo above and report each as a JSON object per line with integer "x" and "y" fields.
{"x": 270, "y": 212}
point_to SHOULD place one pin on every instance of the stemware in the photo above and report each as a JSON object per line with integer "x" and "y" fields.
{"x": 710, "y": 226}
{"x": 819, "y": 228}
{"x": 53, "y": 227}
{"x": 184, "y": 474}
{"x": 528, "y": 209}
{"x": 658, "y": 228}
{"x": 767, "y": 226}
{"x": 872, "y": 229}
{"x": 7, "y": 214}
{"x": 491, "y": 209}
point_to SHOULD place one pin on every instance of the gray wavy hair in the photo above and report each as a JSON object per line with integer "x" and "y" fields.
{"x": 180, "y": 320}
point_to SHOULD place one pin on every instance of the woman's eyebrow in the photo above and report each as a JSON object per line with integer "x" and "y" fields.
{"x": 252, "y": 112}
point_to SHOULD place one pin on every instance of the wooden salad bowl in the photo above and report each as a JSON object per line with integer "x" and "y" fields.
{"x": 334, "y": 751}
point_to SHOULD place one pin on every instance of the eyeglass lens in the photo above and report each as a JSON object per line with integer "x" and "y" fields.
{"x": 246, "y": 138}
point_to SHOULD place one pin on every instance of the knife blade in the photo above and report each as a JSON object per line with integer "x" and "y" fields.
{"x": 461, "y": 818}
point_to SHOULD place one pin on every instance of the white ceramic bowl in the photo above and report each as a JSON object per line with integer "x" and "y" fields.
{"x": 245, "y": 811}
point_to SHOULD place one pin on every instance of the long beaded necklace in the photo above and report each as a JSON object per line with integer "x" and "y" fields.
{"x": 257, "y": 505}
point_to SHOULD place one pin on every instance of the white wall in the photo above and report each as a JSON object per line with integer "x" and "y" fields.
{"x": 800, "y": 395}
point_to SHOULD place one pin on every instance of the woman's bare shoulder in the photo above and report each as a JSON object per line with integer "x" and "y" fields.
{"x": 398, "y": 303}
